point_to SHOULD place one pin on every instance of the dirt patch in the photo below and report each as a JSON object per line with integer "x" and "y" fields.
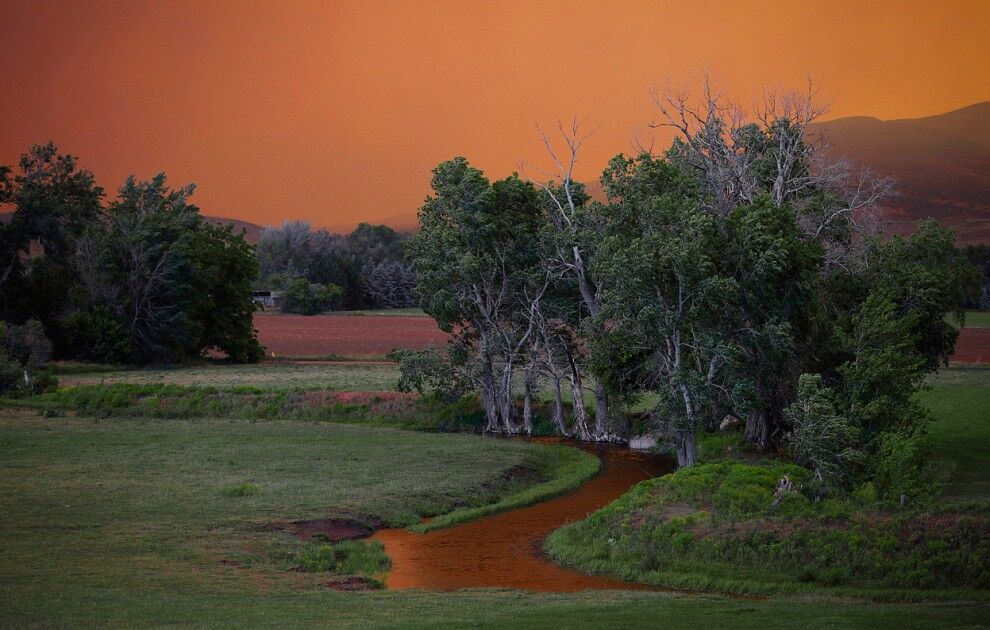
{"x": 973, "y": 346}
{"x": 351, "y": 583}
{"x": 330, "y": 529}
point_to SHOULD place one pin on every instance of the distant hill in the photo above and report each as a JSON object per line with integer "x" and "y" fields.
{"x": 252, "y": 232}
{"x": 941, "y": 164}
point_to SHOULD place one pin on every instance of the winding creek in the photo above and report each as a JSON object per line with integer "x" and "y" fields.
{"x": 506, "y": 550}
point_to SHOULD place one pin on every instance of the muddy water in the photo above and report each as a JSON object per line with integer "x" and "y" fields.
{"x": 505, "y": 550}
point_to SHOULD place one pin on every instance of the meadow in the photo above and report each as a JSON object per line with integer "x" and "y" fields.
{"x": 130, "y": 519}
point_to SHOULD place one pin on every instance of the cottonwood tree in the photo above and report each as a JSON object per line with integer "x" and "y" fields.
{"x": 575, "y": 234}
{"x": 666, "y": 294}
{"x": 161, "y": 283}
{"x": 477, "y": 265}
{"x": 53, "y": 201}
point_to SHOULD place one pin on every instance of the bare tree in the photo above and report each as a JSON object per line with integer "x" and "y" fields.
{"x": 571, "y": 254}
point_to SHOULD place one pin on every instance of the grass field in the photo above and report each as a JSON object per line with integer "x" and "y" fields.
{"x": 141, "y": 521}
{"x": 975, "y": 319}
{"x": 129, "y": 522}
{"x": 331, "y": 376}
{"x": 960, "y": 403}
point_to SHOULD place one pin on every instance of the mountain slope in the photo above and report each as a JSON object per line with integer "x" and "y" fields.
{"x": 941, "y": 164}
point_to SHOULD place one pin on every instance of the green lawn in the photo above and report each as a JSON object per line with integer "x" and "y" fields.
{"x": 960, "y": 402}
{"x": 974, "y": 319}
{"x": 388, "y": 312}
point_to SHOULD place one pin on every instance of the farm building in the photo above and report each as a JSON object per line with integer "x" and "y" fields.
{"x": 268, "y": 299}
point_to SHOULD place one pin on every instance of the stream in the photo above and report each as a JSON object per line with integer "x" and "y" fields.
{"x": 506, "y": 550}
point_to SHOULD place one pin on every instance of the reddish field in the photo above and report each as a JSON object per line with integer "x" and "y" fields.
{"x": 973, "y": 346}
{"x": 344, "y": 335}
{"x": 373, "y": 336}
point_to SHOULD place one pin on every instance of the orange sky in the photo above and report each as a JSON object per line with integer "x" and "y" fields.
{"x": 335, "y": 112}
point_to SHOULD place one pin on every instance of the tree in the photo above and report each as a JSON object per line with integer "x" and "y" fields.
{"x": 24, "y": 351}
{"x": 305, "y": 298}
{"x": 821, "y": 437}
{"x": 172, "y": 285}
{"x": 574, "y": 236}
{"x": 53, "y": 204}
{"x": 478, "y": 272}
{"x": 366, "y": 264}
{"x": 664, "y": 292}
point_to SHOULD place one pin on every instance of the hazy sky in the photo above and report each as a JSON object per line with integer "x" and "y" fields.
{"x": 336, "y": 112}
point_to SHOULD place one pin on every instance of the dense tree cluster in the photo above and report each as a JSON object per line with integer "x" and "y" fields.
{"x": 735, "y": 275}
{"x": 142, "y": 279}
{"x": 363, "y": 269}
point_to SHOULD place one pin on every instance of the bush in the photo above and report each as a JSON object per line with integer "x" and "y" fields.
{"x": 24, "y": 352}
{"x": 348, "y": 557}
{"x": 903, "y": 466}
{"x": 304, "y": 298}
{"x": 821, "y": 438}
{"x": 99, "y": 336}
{"x": 430, "y": 371}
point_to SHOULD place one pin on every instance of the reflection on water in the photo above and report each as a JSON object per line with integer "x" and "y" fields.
{"x": 505, "y": 550}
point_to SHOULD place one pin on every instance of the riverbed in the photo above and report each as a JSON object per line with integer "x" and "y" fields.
{"x": 506, "y": 550}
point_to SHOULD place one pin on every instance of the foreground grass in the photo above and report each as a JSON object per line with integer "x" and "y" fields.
{"x": 193, "y": 603}
{"x": 140, "y": 522}
{"x": 132, "y": 505}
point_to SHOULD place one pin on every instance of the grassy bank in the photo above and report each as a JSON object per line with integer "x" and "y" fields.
{"x": 564, "y": 470}
{"x": 714, "y": 527}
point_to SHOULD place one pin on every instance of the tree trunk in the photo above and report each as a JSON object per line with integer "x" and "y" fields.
{"x": 528, "y": 401}
{"x": 757, "y": 432}
{"x": 506, "y": 400}
{"x": 489, "y": 402}
{"x": 577, "y": 402}
{"x": 603, "y": 429}
{"x": 558, "y": 408}
{"x": 686, "y": 450}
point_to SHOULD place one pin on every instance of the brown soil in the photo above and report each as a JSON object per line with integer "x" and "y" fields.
{"x": 973, "y": 346}
{"x": 342, "y": 335}
{"x": 351, "y": 583}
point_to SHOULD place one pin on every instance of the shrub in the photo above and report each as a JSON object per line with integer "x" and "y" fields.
{"x": 240, "y": 490}
{"x": 24, "y": 352}
{"x": 903, "y": 466}
{"x": 430, "y": 371}
{"x": 821, "y": 438}
{"x": 348, "y": 557}
{"x": 304, "y": 298}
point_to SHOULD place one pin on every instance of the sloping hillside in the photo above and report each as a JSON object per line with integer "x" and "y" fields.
{"x": 941, "y": 164}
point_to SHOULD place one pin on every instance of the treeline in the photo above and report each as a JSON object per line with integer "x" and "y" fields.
{"x": 321, "y": 271}
{"x": 734, "y": 278}
{"x": 137, "y": 278}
